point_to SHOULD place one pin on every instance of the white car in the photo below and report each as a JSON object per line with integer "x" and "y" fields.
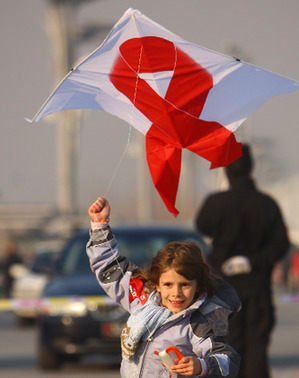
{"x": 28, "y": 286}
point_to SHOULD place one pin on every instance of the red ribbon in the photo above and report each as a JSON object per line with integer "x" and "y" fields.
{"x": 175, "y": 118}
{"x": 136, "y": 291}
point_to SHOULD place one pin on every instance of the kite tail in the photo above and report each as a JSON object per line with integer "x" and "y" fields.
{"x": 215, "y": 143}
{"x": 226, "y": 153}
{"x": 164, "y": 161}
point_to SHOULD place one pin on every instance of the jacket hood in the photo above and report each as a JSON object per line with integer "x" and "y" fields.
{"x": 215, "y": 312}
{"x": 226, "y": 296}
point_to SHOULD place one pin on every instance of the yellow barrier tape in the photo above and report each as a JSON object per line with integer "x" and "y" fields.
{"x": 42, "y": 303}
{"x": 5, "y": 305}
{"x": 14, "y": 304}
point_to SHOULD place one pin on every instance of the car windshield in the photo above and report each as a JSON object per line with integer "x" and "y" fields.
{"x": 140, "y": 246}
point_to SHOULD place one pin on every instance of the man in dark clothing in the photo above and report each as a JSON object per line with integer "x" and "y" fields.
{"x": 249, "y": 236}
{"x": 10, "y": 259}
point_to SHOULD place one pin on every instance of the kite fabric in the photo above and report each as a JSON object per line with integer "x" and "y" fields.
{"x": 178, "y": 94}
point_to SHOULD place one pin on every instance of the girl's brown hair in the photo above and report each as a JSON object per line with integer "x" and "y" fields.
{"x": 186, "y": 259}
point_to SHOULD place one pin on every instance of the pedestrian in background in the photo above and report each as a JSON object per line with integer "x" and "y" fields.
{"x": 248, "y": 238}
{"x": 9, "y": 259}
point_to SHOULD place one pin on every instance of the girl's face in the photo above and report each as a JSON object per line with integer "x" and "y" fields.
{"x": 177, "y": 292}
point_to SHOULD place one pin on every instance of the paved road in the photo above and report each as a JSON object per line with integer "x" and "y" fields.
{"x": 284, "y": 351}
{"x": 18, "y": 358}
{"x": 17, "y": 350}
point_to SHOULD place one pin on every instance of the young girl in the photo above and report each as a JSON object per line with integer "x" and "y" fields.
{"x": 176, "y": 302}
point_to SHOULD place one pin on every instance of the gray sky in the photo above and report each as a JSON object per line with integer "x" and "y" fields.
{"x": 263, "y": 32}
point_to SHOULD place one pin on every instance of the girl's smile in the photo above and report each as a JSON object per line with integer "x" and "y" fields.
{"x": 177, "y": 292}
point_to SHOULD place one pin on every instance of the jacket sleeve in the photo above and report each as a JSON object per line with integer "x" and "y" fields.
{"x": 277, "y": 241}
{"x": 112, "y": 271}
{"x": 210, "y": 329}
{"x": 207, "y": 219}
{"x": 220, "y": 358}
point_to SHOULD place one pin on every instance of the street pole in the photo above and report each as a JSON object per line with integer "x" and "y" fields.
{"x": 67, "y": 123}
{"x": 186, "y": 192}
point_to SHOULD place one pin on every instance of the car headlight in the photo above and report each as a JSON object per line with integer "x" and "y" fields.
{"x": 73, "y": 306}
{"x": 64, "y": 306}
{"x": 75, "y": 309}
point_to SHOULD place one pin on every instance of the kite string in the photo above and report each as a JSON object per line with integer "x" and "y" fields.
{"x": 125, "y": 150}
{"x": 116, "y": 169}
{"x": 129, "y": 132}
{"x": 136, "y": 82}
{"x": 131, "y": 116}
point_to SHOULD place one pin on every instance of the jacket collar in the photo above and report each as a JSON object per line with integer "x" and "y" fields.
{"x": 193, "y": 307}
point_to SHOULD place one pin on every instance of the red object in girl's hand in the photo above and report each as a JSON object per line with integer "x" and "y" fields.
{"x": 167, "y": 359}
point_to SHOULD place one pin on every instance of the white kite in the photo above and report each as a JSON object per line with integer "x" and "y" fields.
{"x": 178, "y": 94}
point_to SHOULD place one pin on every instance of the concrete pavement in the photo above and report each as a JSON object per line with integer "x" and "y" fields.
{"x": 284, "y": 350}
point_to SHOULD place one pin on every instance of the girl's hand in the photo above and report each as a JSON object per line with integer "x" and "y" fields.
{"x": 99, "y": 211}
{"x": 187, "y": 366}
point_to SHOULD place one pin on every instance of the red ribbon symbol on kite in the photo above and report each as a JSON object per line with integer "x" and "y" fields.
{"x": 175, "y": 118}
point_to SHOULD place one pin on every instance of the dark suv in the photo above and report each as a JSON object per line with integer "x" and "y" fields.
{"x": 76, "y": 317}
